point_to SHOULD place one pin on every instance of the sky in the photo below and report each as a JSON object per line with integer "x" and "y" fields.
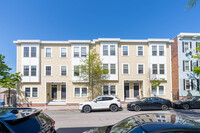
{"x": 62, "y": 20}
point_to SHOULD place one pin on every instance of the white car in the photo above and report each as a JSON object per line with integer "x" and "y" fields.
{"x": 101, "y": 103}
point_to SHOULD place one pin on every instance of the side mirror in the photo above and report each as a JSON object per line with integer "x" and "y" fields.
{"x": 95, "y": 101}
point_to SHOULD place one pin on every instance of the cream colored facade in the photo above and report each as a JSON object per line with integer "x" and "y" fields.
{"x": 42, "y": 89}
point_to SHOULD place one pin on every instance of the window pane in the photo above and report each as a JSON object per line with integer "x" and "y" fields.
{"x": 26, "y": 70}
{"x": 83, "y": 51}
{"x": 154, "y": 50}
{"x": 33, "y": 51}
{"x": 84, "y": 92}
{"x": 63, "y": 52}
{"x": 76, "y": 51}
{"x": 187, "y": 66}
{"x": 27, "y": 92}
{"x": 48, "y": 70}
{"x": 155, "y": 69}
{"x": 26, "y": 51}
{"x": 63, "y": 91}
{"x": 154, "y": 91}
{"x": 105, "y": 49}
{"x": 105, "y": 90}
{"x": 161, "y": 50}
{"x": 112, "y": 49}
{"x": 162, "y": 69}
{"x": 76, "y": 71}
{"x": 161, "y": 90}
{"x": 77, "y": 92}
{"x": 35, "y": 92}
{"x": 63, "y": 70}
{"x": 33, "y": 70}
{"x": 125, "y": 68}
{"x": 48, "y": 52}
{"x": 125, "y": 50}
{"x": 140, "y": 51}
{"x": 105, "y": 68}
{"x": 112, "y": 89}
{"x": 140, "y": 69}
{"x": 186, "y": 46}
{"x": 187, "y": 84}
{"x": 112, "y": 69}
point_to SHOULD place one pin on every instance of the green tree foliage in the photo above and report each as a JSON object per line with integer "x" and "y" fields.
{"x": 156, "y": 82}
{"x": 191, "y": 4}
{"x": 197, "y": 56}
{"x": 92, "y": 71}
{"x": 4, "y": 69}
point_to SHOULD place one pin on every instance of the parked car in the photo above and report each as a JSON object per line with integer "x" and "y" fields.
{"x": 101, "y": 103}
{"x": 149, "y": 103}
{"x": 151, "y": 123}
{"x": 25, "y": 120}
{"x": 190, "y": 103}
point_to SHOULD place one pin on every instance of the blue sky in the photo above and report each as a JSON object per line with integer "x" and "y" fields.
{"x": 91, "y": 19}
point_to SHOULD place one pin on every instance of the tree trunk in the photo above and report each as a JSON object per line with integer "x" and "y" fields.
{"x": 8, "y": 97}
{"x": 92, "y": 90}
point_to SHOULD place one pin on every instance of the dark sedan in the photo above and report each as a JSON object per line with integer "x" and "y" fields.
{"x": 149, "y": 103}
{"x": 151, "y": 123}
{"x": 190, "y": 103}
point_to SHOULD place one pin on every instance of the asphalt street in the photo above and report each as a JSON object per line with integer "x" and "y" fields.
{"x": 76, "y": 122}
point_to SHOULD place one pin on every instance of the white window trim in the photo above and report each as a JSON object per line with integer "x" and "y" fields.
{"x": 31, "y": 91}
{"x": 157, "y": 90}
{"x": 29, "y": 55}
{"x": 164, "y": 69}
{"x": 66, "y": 70}
{"x": 152, "y": 69}
{"x": 122, "y": 50}
{"x": 45, "y": 52}
{"x": 157, "y": 52}
{"x": 65, "y": 51}
{"x": 80, "y": 91}
{"x": 143, "y": 68}
{"x": 79, "y": 71}
{"x": 109, "y": 53}
{"x": 35, "y": 53}
{"x": 188, "y": 47}
{"x": 108, "y": 49}
{"x": 109, "y": 85}
{"x": 35, "y": 71}
{"x": 109, "y": 69}
{"x": 29, "y": 71}
{"x": 142, "y": 50}
{"x": 123, "y": 68}
{"x": 189, "y": 66}
{"x": 45, "y": 70}
{"x": 190, "y": 85}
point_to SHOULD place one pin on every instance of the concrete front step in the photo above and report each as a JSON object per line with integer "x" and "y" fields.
{"x": 57, "y": 103}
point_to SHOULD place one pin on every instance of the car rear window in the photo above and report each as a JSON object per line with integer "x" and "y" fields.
{"x": 107, "y": 98}
{"x": 44, "y": 119}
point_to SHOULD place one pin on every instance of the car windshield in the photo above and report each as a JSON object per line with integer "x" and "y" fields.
{"x": 188, "y": 99}
{"x": 142, "y": 99}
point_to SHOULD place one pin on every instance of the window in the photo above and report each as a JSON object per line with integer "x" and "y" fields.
{"x": 154, "y": 50}
{"x": 26, "y": 70}
{"x": 63, "y": 52}
{"x": 105, "y": 50}
{"x": 140, "y": 69}
{"x": 63, "y": 70}
{"x": 154, "y": 91}
{"x": 76, "y": 51}
{"x": 81, "y": 92}
{"x": 186, "y": 66}
{"x": 109, "y": 90}
{"x": 27, "y": 92}
{"x": 162, "y": 69}
{"x": 76, "y": 71}
{"x": 83, "y": 51}
{"x": 140, "y": 50}
{"x": 34, "y": 92}
{"x": 26, "y": 51}
{"x": 48, "y": 70}
{"x": 63, "y": 91}
{"x": 33, "y": 70}
{"x": 125, "y": 69}
{"x": 161, "y": 50}
{"x": 186, "y": 46}
{"x": 161, "y": 90}
{"x": 112, "y": 69}
{"x": 33, "y": 51}
{"x": 125, "y": 50}
{"x": 187, "y": 84}
{"x": 105, "y": 68}
{"x": 155, "y": 70}
{"x": 112, "y": 49}
{"x": 48, "y": 52}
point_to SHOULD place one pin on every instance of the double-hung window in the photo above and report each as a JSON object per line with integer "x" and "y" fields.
{"x": 109, "y": 90}
{"x": 140, "y": 50}
{"x": 33, "y": 51}
{"x": 187, "y": 84}
{"x": 161, "y": 90}
{"x": 140, "y": 69}
{"x": 76, "y": 51}
{"x": 76, "y": 70}
{"x": 26, "y": 51}
{"x": 125, "y": 50}
{"x": 84, "y": 92}
{"x": 161, "y": 50}
{"x": 105, "y": 90}
{"x": 63, "y": 70}
{"x": 155, "y": 69}
{"x": 153, "y": 90}
{"x": 162, "y": 69}
{"x": 154, "y": 50}
{"x": 33, "y": 70}
{"x": 63, "y": 52}
{"x": 48, "y": 52}
{"x": 186, "y": 46}
{"x": 105, "y": 68}
{"x": 26, "y": 70}
{"x": 80, "y": 92}
{"x": 31, "y": 92}
{"x": 83, "y": 51}
{"x": 186, "y": 65}
{"x": 27, "y": 92}
{"x": 112, "y": 69}
{"x": 48, "y": 70}
{"x": 125, "y": 69}
{"x": 105, "y": 50}
{"x": 34, "y": 92}
{"x": 112, "y": 49}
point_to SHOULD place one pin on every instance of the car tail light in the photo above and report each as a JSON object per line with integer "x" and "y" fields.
{"x": 53, "y": 123}
{"x": 118, "y": 100}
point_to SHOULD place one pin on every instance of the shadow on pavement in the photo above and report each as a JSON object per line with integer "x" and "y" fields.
{"x": 73, "y": 129}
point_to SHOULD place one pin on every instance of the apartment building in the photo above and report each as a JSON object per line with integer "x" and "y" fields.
{"x": 184, "y": 82}
{"x": 50, "y": 76}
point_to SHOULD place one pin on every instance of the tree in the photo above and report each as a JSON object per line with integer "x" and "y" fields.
{"x": 156, "y": 82}
{"x": 92, "y": 71}
{"x": 191, "y": 4}
{"x": 4, "y": 69}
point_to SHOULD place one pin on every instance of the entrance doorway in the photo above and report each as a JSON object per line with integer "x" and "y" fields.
{"x": 126, "y": 90}
{"x": 136, "y": 89}
{"x": 54, "y": 92}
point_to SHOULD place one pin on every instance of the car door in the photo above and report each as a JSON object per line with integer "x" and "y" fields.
{"x": 146, "y": 104}
{"x": 197, "y": 103}
{"x": 157, "y": 103}
{"x": 97, "y": 103}
{"x": 106, "y": 101}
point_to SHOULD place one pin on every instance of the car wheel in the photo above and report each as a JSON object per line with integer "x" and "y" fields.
{"x": 113, "y": 108}
{"x": 137, "y": 108}
{"x": 87, "y": 109}
{"x": 164, "y": 107}
{"x": 186, "y": 106}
